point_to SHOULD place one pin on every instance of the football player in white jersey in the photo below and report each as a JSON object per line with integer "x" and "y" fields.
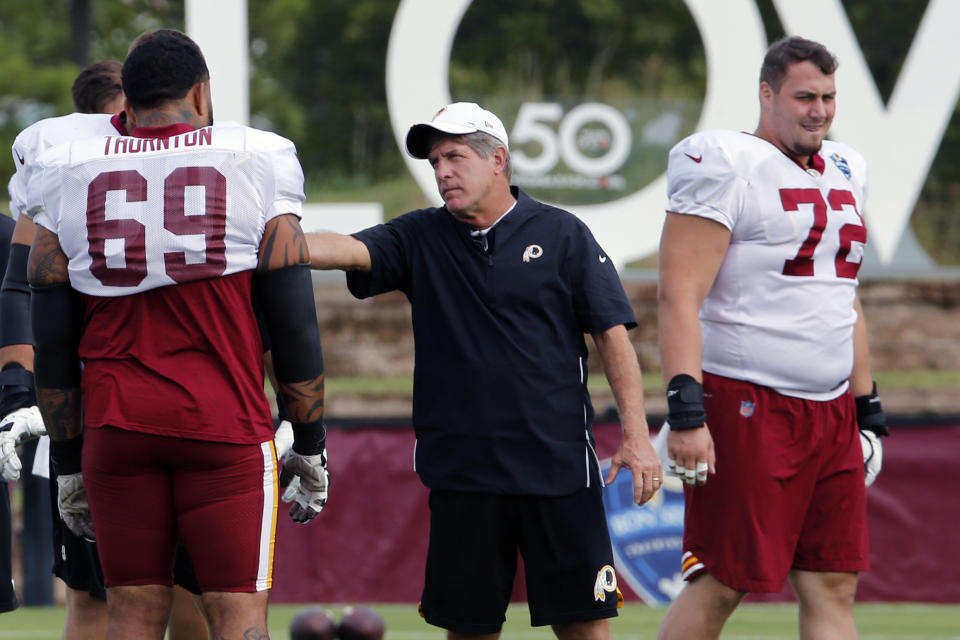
{"x": 98, "y": 98}
{"x": 764, "y": 345}
{"x": 147, "y": 252}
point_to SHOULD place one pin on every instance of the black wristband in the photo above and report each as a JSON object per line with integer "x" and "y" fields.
{"x": 870, "y": 415}
{"x": 685, "y": 402}
{"x": 309, "y": 438}
{"x": 16, "y": 388}
{"x": 65, "y": 455}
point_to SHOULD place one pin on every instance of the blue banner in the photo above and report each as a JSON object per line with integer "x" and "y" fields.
{"x": 647, "y": 540}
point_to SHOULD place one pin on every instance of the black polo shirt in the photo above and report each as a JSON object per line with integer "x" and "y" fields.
{"x": 500, "y": 401}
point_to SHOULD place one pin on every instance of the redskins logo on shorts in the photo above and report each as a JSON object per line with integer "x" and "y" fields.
{"x": 606, "y": 583}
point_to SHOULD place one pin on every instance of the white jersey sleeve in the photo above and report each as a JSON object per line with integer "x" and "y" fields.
{"x": 42, "y": 135}
{"x": 780, "y": 312}
{"x": 702, "y": 181}
{"x": 134, "y": 214}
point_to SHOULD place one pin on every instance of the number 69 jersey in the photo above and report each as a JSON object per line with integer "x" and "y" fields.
{"x": 134, "y": 214}
{"x": 162, "y": 236}
{"x": 781, "y": 310}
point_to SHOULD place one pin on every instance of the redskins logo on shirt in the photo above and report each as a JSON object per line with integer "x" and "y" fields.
{"x": 532, "y": 252}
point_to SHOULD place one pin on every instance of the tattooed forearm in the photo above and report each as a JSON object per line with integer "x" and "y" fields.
{"x": 304, "y": 400}
{"x": 283, "y": 244}
{"x": 47, "y": 263}
{"x": 60, "y": 409}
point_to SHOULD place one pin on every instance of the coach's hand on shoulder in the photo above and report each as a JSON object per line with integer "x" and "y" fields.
{"x": 20, "y": 426}
{"x": 306, "y": 481}
{"x": 872, "y": 422}
{"x": 73, "y": 506}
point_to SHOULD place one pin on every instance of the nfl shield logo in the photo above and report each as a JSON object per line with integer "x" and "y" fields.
{"x": 746, "y": 408}
{"x": 648, "y": 540}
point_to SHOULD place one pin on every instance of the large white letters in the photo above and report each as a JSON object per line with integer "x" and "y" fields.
{"x": 899, "y": 140}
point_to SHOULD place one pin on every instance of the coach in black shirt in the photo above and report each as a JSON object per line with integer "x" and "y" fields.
{"x": 503, "y": 289}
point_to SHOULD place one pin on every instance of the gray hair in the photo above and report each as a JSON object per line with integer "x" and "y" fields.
{"x": 483, "y": 143}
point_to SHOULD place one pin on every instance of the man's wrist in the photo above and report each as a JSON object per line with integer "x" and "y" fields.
{"x": 309, "y": 438}
{"x": 66, "y": 455}
{"x": 16, "y": 388}
{"x": 685, "y": 403}
{"x": 870, "y": 414}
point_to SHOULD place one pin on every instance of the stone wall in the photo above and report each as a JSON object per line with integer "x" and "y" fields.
{"x": 913, "y": 325}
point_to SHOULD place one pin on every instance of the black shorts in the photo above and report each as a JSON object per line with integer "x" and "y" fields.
{"x": 76, "y": 562}
{"x": 472, "y": 559}
{"x": 8, "y": 597}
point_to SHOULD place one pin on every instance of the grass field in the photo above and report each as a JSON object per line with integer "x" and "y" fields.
{"x": 636, "y": 622}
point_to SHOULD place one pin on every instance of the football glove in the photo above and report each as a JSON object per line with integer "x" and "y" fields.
{"x": 23, "y": 425}
{"x": 73, "y": 506}
{"x": 872, "y": 422}
{"x": 283, "y": 438}
{"x": 306, "y": 481}
{"x": 872, "y": 455}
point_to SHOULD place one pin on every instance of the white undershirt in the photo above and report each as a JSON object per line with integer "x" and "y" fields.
{"x": 479, "y": 233}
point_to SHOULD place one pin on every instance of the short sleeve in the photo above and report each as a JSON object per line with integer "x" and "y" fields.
{"x": 599, "y": 299}
{"x": 288, "y": 194}
{"x": 17, "y": 186}
{"x": 702, "y": 181}
{"x": 42, "y": 194}
{"x": 389, "y": 265}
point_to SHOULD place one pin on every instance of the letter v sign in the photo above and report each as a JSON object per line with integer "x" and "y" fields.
{"x": 901, "y": 140}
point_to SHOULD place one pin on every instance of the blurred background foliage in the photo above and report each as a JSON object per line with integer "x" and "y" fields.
{"x": 317, "y": 77}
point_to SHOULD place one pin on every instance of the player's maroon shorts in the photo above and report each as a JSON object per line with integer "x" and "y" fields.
{"x": 145, "y": 490}
{"x": 788, "y": 492}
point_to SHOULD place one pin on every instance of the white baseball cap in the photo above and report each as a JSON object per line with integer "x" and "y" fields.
{"x": 457, "y": 118}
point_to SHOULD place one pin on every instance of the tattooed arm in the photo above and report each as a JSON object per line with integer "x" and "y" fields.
{"x": 56, "y": 316}
{"x": 284, "y": 289}
{"x": 56, "y": 313}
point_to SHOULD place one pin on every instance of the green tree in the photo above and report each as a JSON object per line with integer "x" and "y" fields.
{"x": 319, "y": 79}
{"x": 36, "y": 48}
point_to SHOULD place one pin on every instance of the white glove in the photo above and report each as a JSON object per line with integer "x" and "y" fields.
{"x": 306, "y": 481}
{"x": 20, "y": 426}
{"x": 73, "y": 506}
{"x": 660, "y": 447}
{"x": 283, "y": 438}
{"x": 872, "y": 456}
{"x": 9, "y": 461}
